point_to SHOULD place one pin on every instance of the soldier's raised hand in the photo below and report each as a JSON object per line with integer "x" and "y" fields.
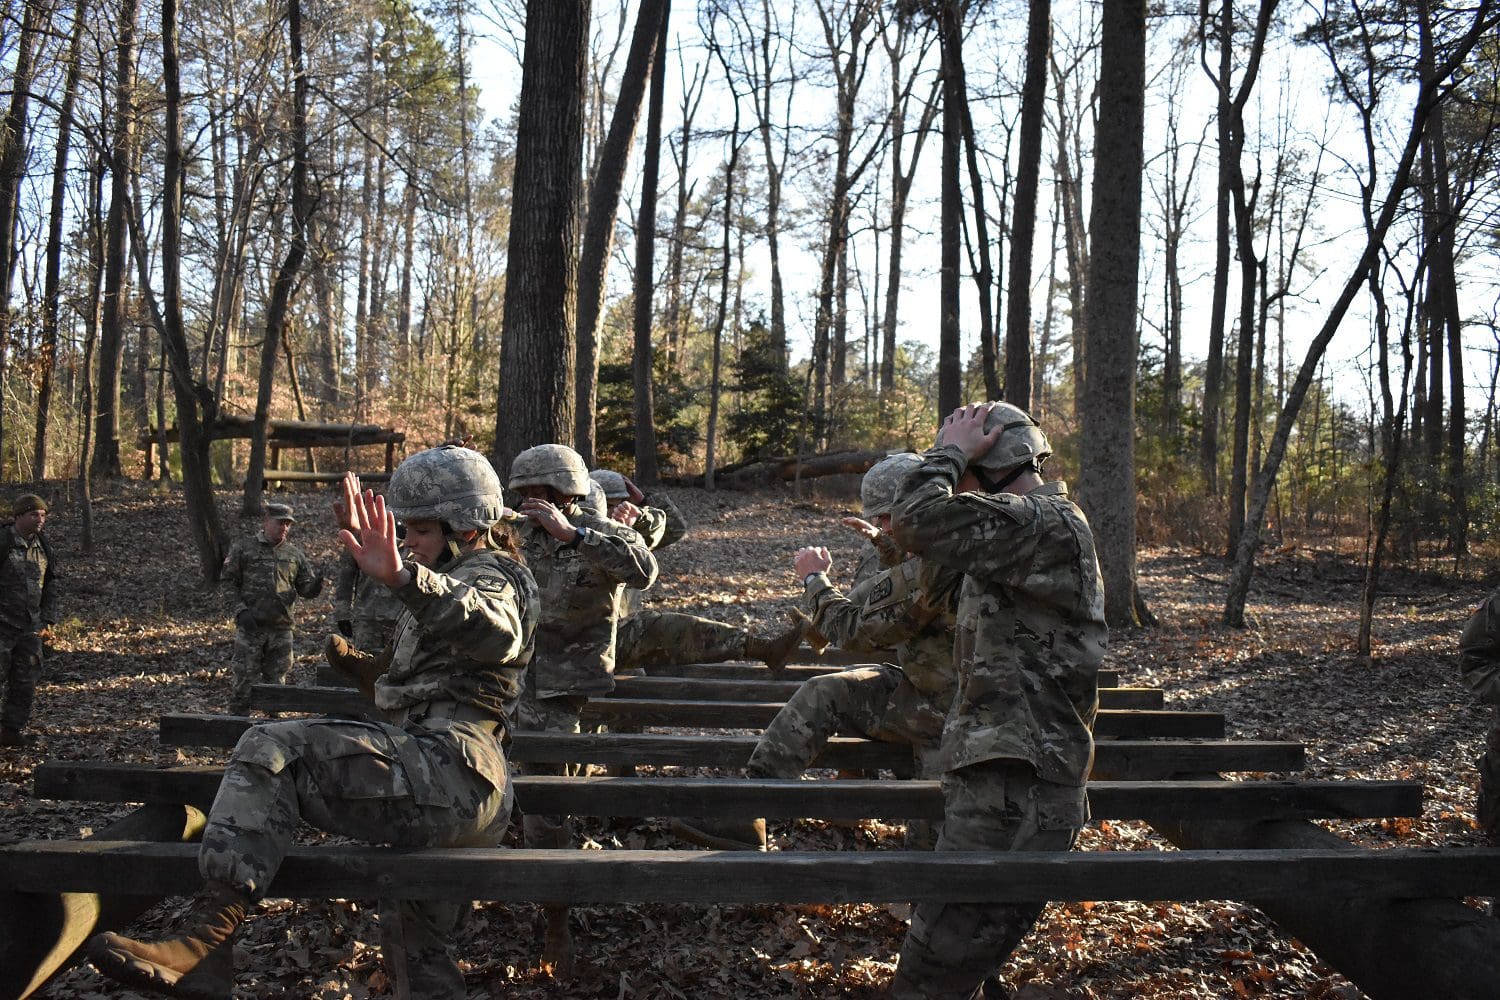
{"x": 864, "y": 529}
{"x": 626, "y": 513}
{"x": 632, "y": 490}
{"x": 814, "y": 559}
{"x": 375, "y": 549}
{"x": 964, "y": 429}
{"x": 345, "y": 506}
{"x": 551, "y": 520}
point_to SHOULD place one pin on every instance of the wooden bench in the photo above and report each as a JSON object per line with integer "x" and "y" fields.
{"x": 1120, "y": 758}
{"x": 1261, "y": 801}
{"x": 794, "y": 674}
{"x": 1127, "y": 723}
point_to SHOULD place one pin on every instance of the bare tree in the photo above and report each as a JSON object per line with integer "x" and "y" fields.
{"x": 1023, "y": 212}
{"x": 643, "y": 360}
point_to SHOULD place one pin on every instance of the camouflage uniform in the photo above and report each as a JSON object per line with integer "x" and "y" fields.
{"x": 28, "y": 604}
{"x": 1017, "y": 745}
{"x": 909, "y": 607}
{"x": 370, "y": 608}
{"x": 881, "y": 553}
{"x": 434, "y": 777}
{"x": 266, "y": 579}
{"x": 580, "y": 586}
{"x": 1479, "y": 666}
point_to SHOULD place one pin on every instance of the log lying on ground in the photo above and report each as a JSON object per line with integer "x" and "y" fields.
{"x": 43, "y": 930}
{"x": 748, "y": 475}
{"x": 1116, "y": 759}
{"x": 777, "y": 799}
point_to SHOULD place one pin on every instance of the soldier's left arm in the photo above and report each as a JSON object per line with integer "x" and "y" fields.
{"x": 51, "y": 591}
{"x": 620, "y": 552}
{"x": 478, "y": 612}
{"x": 676, "y": 525}
{"x": 309, "y": 582}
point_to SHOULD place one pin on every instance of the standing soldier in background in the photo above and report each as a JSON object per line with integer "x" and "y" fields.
{"x": 1479, "y": 666}
{"x": 651, "y": 638}
{"x": 28, "y": 607}
{"x": 581, "y": 562}
{"x": 1017, "y": 745}
{"x": 267, "y": 574}
{"x": 365, "y": 611}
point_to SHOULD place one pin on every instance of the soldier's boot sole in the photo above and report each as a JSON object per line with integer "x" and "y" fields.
{"x": 212, "y": 978}
{"x": 718, "y": 835}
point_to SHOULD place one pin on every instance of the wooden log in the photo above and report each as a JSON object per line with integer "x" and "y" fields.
{"x": 807, "y": 667}
{"x": 1129, "y": 723}
{"x": 611, "y": 877}
{"x": 775, "y": 799}
{"x": 1392, "y": 948}
{"x": 43, "y": 929}
{"x": 1122, "y": 759}
{"x": 686, "y": 688}
{"x": 300, "y": 433}
{"x": 303, "y": 476}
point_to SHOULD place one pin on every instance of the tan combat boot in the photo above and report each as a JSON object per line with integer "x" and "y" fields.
{"x": 776, "y": 649}
{"x": 358, "y": 666}
{"x": 723, "y": 834}
{"x": 197, "y": 962}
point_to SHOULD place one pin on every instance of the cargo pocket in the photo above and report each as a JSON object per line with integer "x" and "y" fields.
{"x": 1060, "y": 807}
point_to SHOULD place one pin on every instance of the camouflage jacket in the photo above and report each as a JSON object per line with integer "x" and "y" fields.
{"x": 466, "y": 634}
{"x": 28, "y": 581}
{"x": 267, "y": 579}
{"x": 1479, "y": 651}
{"x": 910, "y": 607}
{"x": 580, "y": 584}
{"x": 356, "y": 596}
{"x": 1031, "y": 630}
{"x": 660, "y": 524}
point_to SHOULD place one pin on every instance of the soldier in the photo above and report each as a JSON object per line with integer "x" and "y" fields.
{"x": 435, "y": 778}
{"x": 581, "y": 562}
{"x": 365, "y": 611}
{"x": 910, "y": 608}
{"x": 28, "y": 607}
{"x": 1479, "y": 666}
{"x": 877, "y": 492}
{"x": 650, "y": 638}
{"x": 267, "y": 574}
{"x": 1017, "y": 744}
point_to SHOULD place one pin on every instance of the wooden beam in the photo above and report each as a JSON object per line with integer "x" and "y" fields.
{"x": 1118, "y": 758}
{"x": 713, "y": 689}
{"x": 741, "y": 797}
{"x": 43, "y": 931}
{"x": 1130, "y": 723}
{"x": 303, "y": 476}
{"x": 807, "y": 665}
{"x": 610, "y": 877}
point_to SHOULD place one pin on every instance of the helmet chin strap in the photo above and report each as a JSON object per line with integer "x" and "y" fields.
{"x": 998, "y": 486}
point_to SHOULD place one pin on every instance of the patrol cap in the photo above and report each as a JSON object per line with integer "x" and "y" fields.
{"x": 28, "y": 502}
{"x": 280, "y": 512}
{"x": 613, "y": 483}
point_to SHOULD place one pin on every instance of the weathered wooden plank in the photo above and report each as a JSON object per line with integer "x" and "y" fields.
{"x": 806, "y": 665}
{"x": 42, "y": 932}
{"x": 715, "y": 689}
{"x": 1128, "y": 723}
{"x": 739, "y": 797}
{"x": 1118, "y": 758}
{"x": 607, "y": 877}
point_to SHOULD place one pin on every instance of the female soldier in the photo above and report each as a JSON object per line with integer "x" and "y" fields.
{"x": 434, "y": 777}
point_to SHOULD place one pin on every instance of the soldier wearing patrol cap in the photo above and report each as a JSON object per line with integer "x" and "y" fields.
{"x": 265, "y": 576}
{"x": 434, "y": 776}
{"x": 1017, "y": 744}
{"x": 28, "y": 606}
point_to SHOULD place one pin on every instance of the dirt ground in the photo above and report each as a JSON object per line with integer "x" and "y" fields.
{"x": 142, "y": 637}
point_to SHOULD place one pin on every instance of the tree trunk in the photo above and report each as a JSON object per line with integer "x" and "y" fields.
{"x": 984, "y": 273}
{"x": 1108, "y": 419}
{"x": 52, "y": 289}
{"x": 1213, "y": 375}
{"x": 303, "y": 202}
{"x": 950, "y": 360}
{"x": 604, "y": 204}
{"x": 643, "y": 359}
{"x": 724, "y": 261}
{"x": 116, "y": 262}
{"x": 1023, "y": 214}
{"x": 541, "y": 280}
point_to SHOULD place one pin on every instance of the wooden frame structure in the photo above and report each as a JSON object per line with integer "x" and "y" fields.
{"x": 283, "y": 434}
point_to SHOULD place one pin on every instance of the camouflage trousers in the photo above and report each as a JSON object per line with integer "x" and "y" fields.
{"x": 376, "y": 783}
{"x": 878, "y": 703}
{"x": 998, "y": 805}
{"x": 1487, "y": 811}
{"x": 262, "y": 655}
{"x": 371, "y": 634}
{"x": 21, "y": 669}
{"x": 552, "y": 715}
{"x": 663, "y": 638}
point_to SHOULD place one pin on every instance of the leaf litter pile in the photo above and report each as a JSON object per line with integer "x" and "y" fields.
{"x": 141, "y": 637}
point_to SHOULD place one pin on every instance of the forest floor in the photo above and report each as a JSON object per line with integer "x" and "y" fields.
{"x": 141, "y": 637}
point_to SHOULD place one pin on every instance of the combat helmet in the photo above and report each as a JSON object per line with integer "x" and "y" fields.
{"x": 612, "y": 482}
{"x": 452, "y": 484}
{"x": 877, "y": 491}
{"x": 1021, "y": 442}
{"x": 554, "y": 465}
{"x": 596, "y": 500}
